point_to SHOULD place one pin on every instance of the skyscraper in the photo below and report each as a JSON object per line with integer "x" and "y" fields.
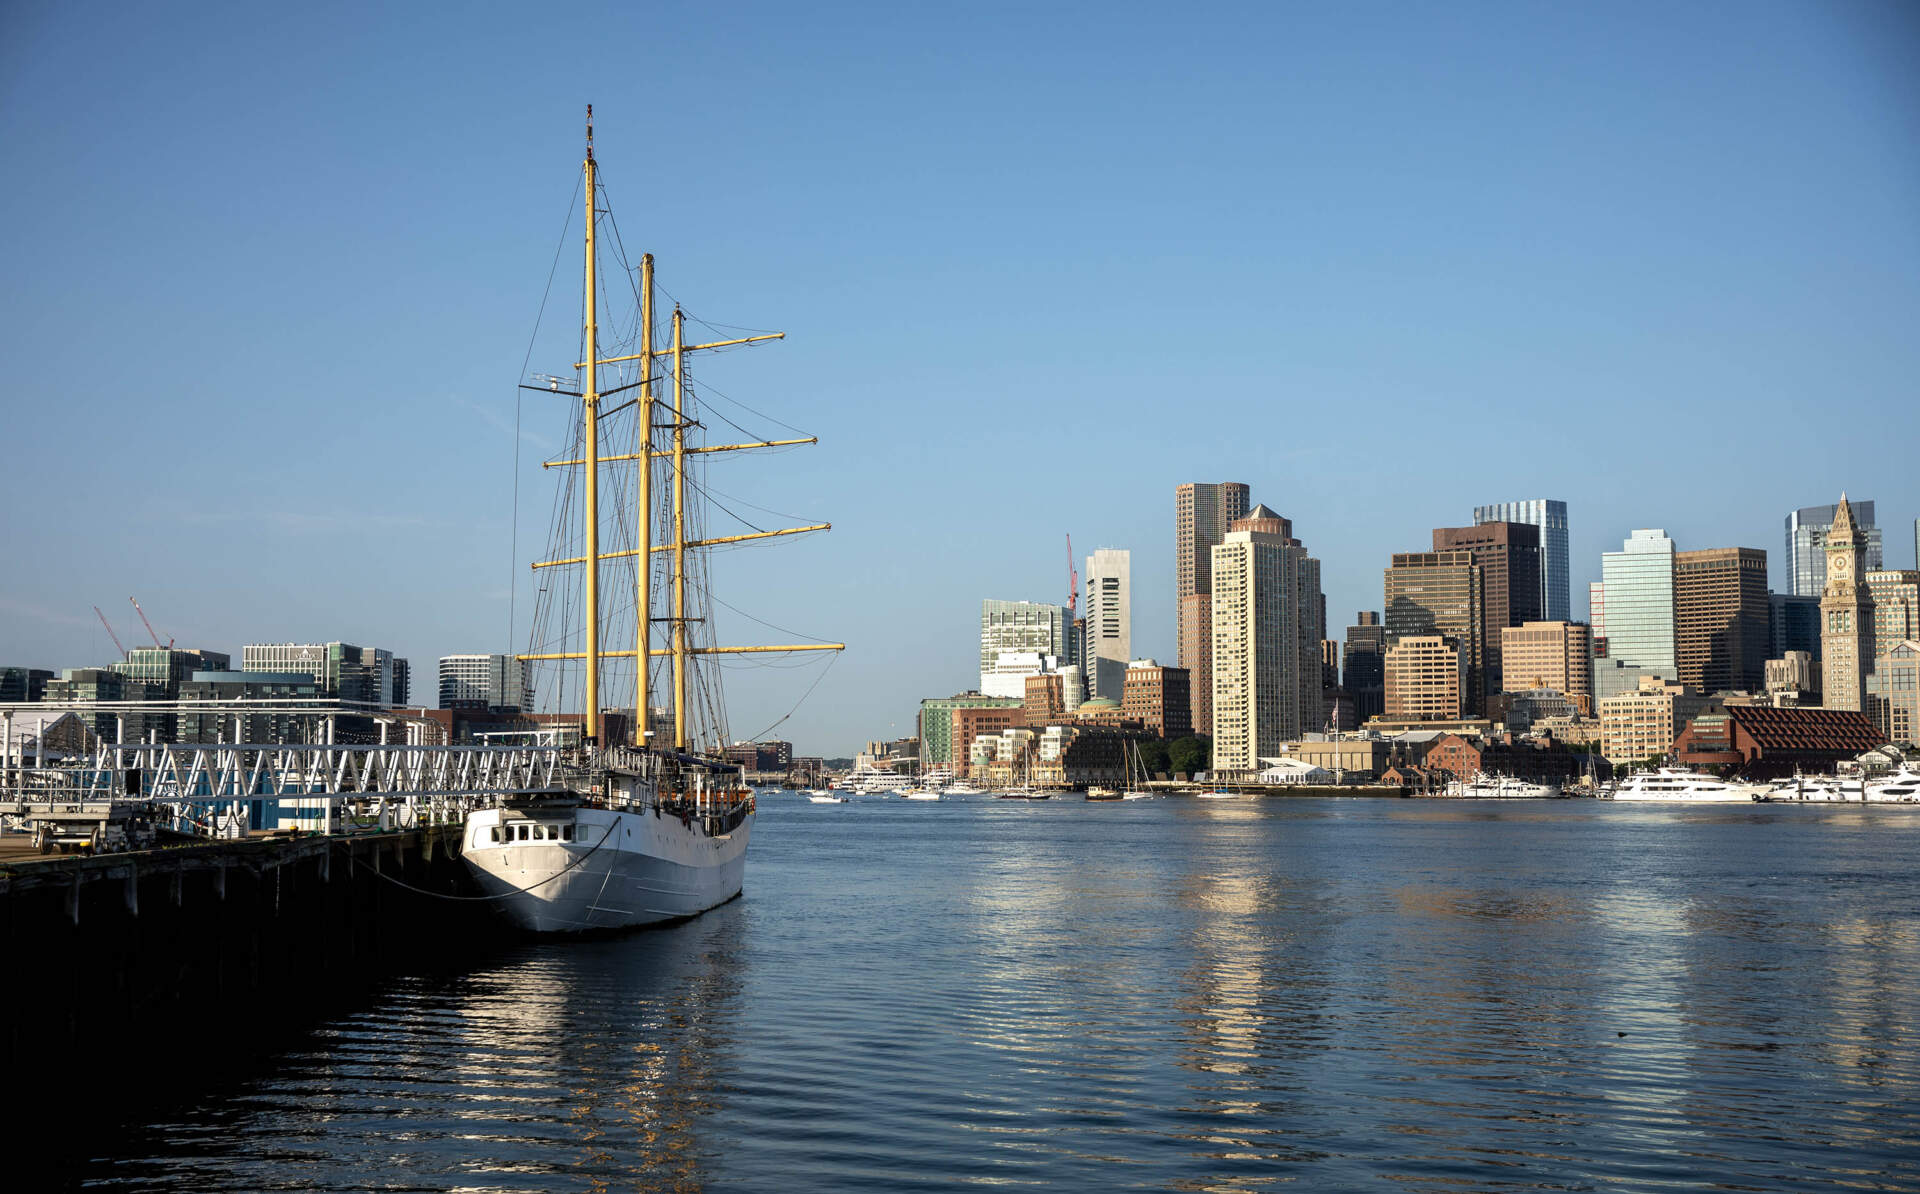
{"x": 1639, "y": 605}
{"x": 1439, "y": 592}
{"x": 1509, "y": 557}
{"x": 1365, "y": 678}
{"x": 1109, "y": 643}
{"x": 1846, "y": 615}
{"x": 1029, "y": 633}
{"x": 1550, "y": 517}
{"x": 1806, "y": 546}
{"x": 1721, "y": 619}
{"x": 1202, "y": 514}
{"x": 350, "y": 673}
{"x": 1266, "y": 645}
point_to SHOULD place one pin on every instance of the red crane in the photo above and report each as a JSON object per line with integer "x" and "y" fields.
{"x": 110, "y": 633}
{"x": 149, "y": 625}
{"x": 1073, "y": 583}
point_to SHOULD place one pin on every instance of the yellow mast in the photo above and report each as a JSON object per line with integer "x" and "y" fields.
{"x": 591, "y": 433}
{"x": 643, "y": 603}
{"x": 679, "y": 532}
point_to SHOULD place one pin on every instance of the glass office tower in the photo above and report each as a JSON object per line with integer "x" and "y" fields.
{"x": 1556, "y": 592}
{"x": 1639, "y": 596}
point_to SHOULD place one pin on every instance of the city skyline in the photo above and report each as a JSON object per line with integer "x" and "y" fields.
{"x": 1639, "y": 275}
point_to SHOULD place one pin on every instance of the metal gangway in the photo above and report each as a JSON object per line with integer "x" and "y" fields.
{"x": 227, "y": 790}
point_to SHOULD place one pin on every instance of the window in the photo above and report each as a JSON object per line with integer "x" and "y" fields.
{"x": 494, "y": 833}
{"x": 523, "y": 832}
{"x": 566, "y": 833}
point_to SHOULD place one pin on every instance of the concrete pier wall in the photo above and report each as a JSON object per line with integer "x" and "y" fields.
{"x": 181, "y": 956}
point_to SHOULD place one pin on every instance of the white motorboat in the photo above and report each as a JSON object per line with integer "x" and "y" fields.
{"x": 919, "y": 794}
{"x": 1499, "y": 787}
{"x": 825, "y": 798}
{"x": 1813, "y": 789}
{"x": 1902, "y": 787}
{"x": 1677, "y": 785}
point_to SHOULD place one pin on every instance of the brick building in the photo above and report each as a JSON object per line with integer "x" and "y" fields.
{"x": 1761, "y": 742}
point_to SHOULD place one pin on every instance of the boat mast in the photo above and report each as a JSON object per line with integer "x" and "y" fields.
{"x": 643, "y": 541}
{"x": 679, "y": 532}
{"x": 590, "y": 425}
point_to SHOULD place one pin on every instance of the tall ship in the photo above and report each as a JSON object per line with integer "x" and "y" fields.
{"x": 647, "y": 821}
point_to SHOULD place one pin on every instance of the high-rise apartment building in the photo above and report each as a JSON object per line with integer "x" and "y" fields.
{"x": 1029, "y": 628}
{"x": 1639, "y": 604}
{"x": 1202, "y": 513}
{"x": 1556, "y": 655}
{"x": 1807, "y": 530}
{"x": 1109, "y": 642}
{"x": 1266, "y": 645}
{"x": 1846, "y": 615}
{"x": 496, "y": 681}
{"x": 1440, "y": 592}
{"x": 1365, "y": 678}
{"x": 1159, "y": 698}
{"x": 1550, "y": 517}
{"x": 1509, "y": 557}
{"x": 345, "y": 672}
{"x": 1721, "y": 619}
{"x": 1426, "y": 678}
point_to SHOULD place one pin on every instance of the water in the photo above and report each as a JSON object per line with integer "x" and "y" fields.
{"x": 1170, "y": 994}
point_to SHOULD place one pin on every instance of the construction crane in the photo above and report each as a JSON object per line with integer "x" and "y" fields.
{"x": 147, "y": 624}
{"x": 110, "y": 633}
{"x": 1073, "y": 583}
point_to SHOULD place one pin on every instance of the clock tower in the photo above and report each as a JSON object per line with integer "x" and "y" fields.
{"x": 1846, "y": 616}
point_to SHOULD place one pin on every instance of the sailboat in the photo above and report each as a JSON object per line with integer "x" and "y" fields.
{"x": 1136, "y": 788}
{"x": 639, "y": 832}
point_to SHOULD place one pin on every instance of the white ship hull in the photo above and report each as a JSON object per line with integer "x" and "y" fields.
{"x": 617, "y": 870}
{"x": 1674, "y": 786}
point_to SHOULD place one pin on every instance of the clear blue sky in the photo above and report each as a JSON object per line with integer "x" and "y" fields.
{"x": 271, "y": 272}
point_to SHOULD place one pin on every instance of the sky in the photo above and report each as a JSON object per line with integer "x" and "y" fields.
{"x": 273, "y": 274}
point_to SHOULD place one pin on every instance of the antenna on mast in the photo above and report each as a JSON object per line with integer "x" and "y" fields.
{"x": 589, "y": 132}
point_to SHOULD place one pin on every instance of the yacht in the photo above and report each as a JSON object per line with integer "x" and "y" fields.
{"x": 1813, "y": 789}
{"x": 1902, "y": 787}
{"x": 1499, "y": 787}
{"x": 1677, "y": 785}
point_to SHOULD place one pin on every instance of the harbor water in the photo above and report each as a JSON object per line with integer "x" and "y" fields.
{"x": 1169, "y": 994}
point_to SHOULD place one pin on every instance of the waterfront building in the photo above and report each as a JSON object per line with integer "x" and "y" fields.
{"x": 1463, "y": 756}
{"x": 1202, "y": 515}
{"x": 1508, "y": 554}
{"x": 1721, "y": 618}
{"x": 1027, "y": 628}
{"x": 1159, "y": 698}
{"x": 1556, "y": 655}
{"x": 1426, "y": 678}
{"x": 1365, "y": 676}
{"x": 1639, "y": 604}
{"x": 1807, "y": 530}
{"x": 1348, "y": 759}
{"x": 1793, "y": 625}
{"x": 1440, "y": 592}
{"x": 969, "y": 722}
{"x": 1045, "y": 702}
{"x": 1267, "y": 627}
{"x": 345, "y": 672}
{"x": 1550, "y": 517}
{"x": 1099, "y": 711}
{"x": 1109, "y": 633}
{"x": 1846, "y": 615}
{"x": 1521, "y": 711}
{"x": 1893, "y": 693}
{"x": 1761, "y": 742}
{"x": 496, "y": 682}
{"x": 213, "y": 724}
{"x": 1642, "y": 723}
{"x": 18, "y": 684}
{"x": 169, "y": 667}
